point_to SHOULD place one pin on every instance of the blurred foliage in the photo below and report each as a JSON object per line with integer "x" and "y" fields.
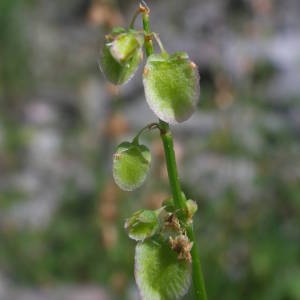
{"x": 262, "y": 72}
{"x": 250, "y": 248}
{"x": 69, "y": 250}
{"x": 14, "y": 64}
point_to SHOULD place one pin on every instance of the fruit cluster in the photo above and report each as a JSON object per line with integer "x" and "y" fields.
{"x": 171, "y": 82}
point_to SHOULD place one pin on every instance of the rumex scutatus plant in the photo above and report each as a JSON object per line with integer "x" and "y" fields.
{"x": 166, "y": 258}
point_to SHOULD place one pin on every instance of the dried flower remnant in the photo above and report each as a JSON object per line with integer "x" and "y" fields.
{"x": 172, "y": 223}
{"x": 182, "y": 245}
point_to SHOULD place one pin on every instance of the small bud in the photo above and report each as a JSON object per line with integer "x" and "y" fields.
{"x": 192, "y": 207}
{"x": 131, "y": 164}
{"x": 171, "y": 86}
{"x": 143, "y": 224}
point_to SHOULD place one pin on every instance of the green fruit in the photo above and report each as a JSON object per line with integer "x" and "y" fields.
{"x": 124, "y": 46}
{"x": 121, "y": 56}
{"x": 143, "y": 224}
{"x": 131, "y": 164}
{"x": 115, "y": 72}
{"x": 171, "y": 86}
{"x": 159, "y": 274}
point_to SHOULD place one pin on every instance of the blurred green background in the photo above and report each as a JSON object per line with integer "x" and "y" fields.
{"x": 61, "y": 215}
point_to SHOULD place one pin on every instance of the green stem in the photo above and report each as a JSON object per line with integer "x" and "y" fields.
{"x": 198, "y": 280}
{"x": 160, "y": 44}
{"x": 146, "y": 26}
{"x": 167, "y": 139}
{"x": 180, "y": 203}
{"x": 137, "y": 12}
{"x": 147, "y": 127}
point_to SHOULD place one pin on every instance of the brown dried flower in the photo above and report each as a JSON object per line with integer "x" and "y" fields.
{"x": 182, "y": 245}
{"x": 172, "y": 222}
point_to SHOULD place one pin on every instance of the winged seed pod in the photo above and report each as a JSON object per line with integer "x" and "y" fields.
{"x": 143, "y": 224}
{"x": 125, "y": 45}
{"x": 171, "y": 86}
{"x": 159, "y": 274}
{"x": 131, "y": 164}
{"x": 121, "y": 55}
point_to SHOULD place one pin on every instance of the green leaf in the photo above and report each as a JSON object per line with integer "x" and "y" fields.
{"x": 171, "y": 86}
{"x": 131, "y": 164}
{"x": 143, "y": 224}
{"x": 158, "y": 272}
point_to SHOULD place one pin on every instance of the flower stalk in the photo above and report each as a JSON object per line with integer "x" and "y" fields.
{"x": 165, "y": 237}
{"x": 180, "y": 203}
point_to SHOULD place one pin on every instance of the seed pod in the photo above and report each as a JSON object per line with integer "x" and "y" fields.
{"x": 171, "y": 86}
{"x": 159, "y": 274}
{"x": 131, "y": 164}
{"x": 125, "y": 45}
{"x": 121, "y": 55}
{"x": 143, "y": 224}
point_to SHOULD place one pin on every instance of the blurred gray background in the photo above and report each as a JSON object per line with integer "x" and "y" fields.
{"x": 61, "y": 215}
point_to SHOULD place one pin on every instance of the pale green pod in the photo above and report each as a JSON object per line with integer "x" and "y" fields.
{"x": 121, "y": 55}
{"x": 116, "y": 72}
{"x": 131, "y": 164}
{"x": 124, "y": 46}
{"x": 171, "y": 86}
{"x": 159, "y": 274}
{"x": 143, "y": 224}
